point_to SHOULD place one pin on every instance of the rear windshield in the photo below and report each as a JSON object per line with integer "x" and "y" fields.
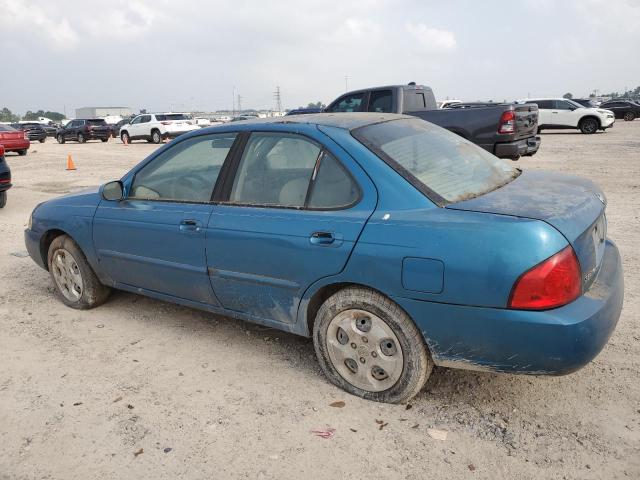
{"x": 6, "y": 128}
{"x": 441, "y": 164}
{"x": 96, "y": 121}
{"x": 172, "y": 116}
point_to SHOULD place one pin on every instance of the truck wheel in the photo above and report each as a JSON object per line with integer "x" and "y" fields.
{"x": 3, "y": 199}
{"x": 81, "y": 138}
{"x": 76, "y": 283}
{"x": 60, "y": 138}
{"x": 156, "y": 137}
{"x": 629, "y": 116}
{"x": 588, "y": 126}
{"x": 368, "y": 346}
{"x": 22, "y": 152}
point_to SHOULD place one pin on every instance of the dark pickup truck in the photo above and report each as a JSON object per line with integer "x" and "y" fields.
{"x": 504, "y": 129}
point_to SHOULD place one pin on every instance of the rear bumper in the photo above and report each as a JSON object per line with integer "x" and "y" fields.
{"x": 518, "y": 148}
{"x": 15, "y": 145}
{"x": 91, "y": 135}
{"x": 553, "y": 342}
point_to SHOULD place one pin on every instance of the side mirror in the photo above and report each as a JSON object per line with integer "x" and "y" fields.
{"x": 113, "y": 191}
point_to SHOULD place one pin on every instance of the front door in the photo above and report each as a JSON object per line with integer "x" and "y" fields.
{"x": 566, "y": 113}
{"x": 154, "y": 239}
{"x": 290, "y": 216}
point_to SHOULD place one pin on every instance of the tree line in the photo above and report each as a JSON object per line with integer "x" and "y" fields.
{"x": 7, "y": 115}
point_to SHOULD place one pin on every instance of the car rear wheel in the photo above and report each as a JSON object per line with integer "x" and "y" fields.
{"x": 76, "y": 283}
{"x": 22, "y": 152}
{"x": 629, "y": 116}
{"x": 42, "y": 140}
{"x": 589, "y": 126}
{"x": 60, "y": 138}
{"x": 81, "y": 138}
{"x": 368, "y": 346}
{"x": 3, "y": 199}
{"x": 104, "y": 140}
{"x": 124, "y": 136}
{"x": 156, "y": 137}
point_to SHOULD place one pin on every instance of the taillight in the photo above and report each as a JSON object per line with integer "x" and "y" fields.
{"x": 507, "y": 122}
{"x": 550, "y": 284}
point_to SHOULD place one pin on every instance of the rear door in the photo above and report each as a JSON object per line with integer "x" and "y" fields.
{"x": 290, "y": 214}
{"x": 546, "y": 115}
{"x": 155, "y": 238}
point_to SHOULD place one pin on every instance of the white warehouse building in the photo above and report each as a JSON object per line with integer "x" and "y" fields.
{"x": 100, "y": 112}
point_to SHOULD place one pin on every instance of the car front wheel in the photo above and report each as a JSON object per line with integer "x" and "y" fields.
{"x": 81, "y": 138}
{"x": 124, "y": 136}
{"x": 589, "y": 126}
{"x": 156, "y": 137}
{"x": 368, "y": 346}
{"x": 76, "y": 283}
{"x": 60, "y": 138}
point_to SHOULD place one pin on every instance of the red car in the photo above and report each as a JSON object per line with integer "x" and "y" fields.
{"x": 14, "y": 140}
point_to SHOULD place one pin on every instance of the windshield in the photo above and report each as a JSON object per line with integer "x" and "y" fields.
{"x": 435, "y": 160}
{"x": 6, "y": 128}
{"x": 172, "y": 116}
{"x": 97, "y": 121}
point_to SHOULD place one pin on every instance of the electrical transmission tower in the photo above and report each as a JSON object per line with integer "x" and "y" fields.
{"x": 278, "y": 98}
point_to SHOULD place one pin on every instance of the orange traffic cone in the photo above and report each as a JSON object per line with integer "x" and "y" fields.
{"x": 70, "y": 164}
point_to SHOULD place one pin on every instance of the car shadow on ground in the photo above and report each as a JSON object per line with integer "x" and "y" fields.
{"x": 569, "y": 132}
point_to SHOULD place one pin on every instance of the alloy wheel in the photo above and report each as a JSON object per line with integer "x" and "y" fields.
{"x": 67, "y": 275}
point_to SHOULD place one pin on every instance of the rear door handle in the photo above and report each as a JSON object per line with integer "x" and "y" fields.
{"x": 322, "y": 238}
{"x": 190, "y": 226}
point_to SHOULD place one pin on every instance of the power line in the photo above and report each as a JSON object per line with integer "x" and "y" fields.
{"x": 278, "y": 98}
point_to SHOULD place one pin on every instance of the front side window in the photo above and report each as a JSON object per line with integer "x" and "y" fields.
{"x": 186, "y": 172}
{"x": 136, "y": 120}
{"x": 275, "y": 170}
{"x": 441, "y": 164}
{"x": 380, "y": 101}
{"x": 349, "y": 103}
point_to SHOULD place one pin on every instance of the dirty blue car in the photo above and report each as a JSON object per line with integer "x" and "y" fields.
{"x": 393, "y": 243}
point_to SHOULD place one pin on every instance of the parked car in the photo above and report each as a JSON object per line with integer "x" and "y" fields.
{"x": 303, "y": 111}
{"x": 625, "y": 109}
{"x": 81, "y": 130}
{"x": 14, "y": 140}
{"x": 51, "y": 129}
{"x": 562, "y": 113}
{"x": 506, "y": 130}
{"x": 33, "y": 131}
{"x": 5, "y": 178}
{"x": 116, "y": 127}
{"x": 156, "y": 127}
{"x": 585, "y": 102}
{"x": 394, "y": 243}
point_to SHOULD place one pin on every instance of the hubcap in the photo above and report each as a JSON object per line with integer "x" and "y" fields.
{"x": 67, "y": 275}
{"x": 364, "y": 350}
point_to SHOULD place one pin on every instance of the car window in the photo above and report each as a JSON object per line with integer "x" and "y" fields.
{"x": 414, "y": 101}
{"x": 97, "y": 121}
{"x": 435, "y": 160}
{"x": 6, "y": 128}
{"x": 380, "y": 101}
{"x": 172, "y": 116}
{"x": 562, "y": 105}
{"x": 275, "y": 170}
{"x": 145, "y": 119}
{"x": 542, "y": 104}
{"x": 349, "y": 103}
{"x": 185, "y": 172}
{"x": 136, "y": 120}
{"x": 333, "y": 186}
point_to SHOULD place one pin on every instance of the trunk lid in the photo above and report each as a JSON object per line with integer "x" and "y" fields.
{"x": 11, "y": 135}
{"x": 526, "y": 120}
{"x": 574, "y": 206}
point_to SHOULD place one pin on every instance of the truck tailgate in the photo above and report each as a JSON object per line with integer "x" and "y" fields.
{"x": 526, "y": 120}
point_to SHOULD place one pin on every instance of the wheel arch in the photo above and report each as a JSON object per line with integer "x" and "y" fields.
{"x": 594, "y": 117}
{"x": 45, "y": 242}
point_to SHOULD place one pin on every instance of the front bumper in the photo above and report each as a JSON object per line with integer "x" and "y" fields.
{"x": 607, "y": 122}
{"x": 518, "y": 148}
{"x": 552, "y": 342}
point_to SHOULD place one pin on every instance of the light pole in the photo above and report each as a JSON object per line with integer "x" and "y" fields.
{"x": 346, "y": 83}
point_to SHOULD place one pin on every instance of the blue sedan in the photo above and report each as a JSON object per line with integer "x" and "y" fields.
{"x": 395, "y": 244}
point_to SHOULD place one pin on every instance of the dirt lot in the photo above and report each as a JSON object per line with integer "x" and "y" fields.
{"x": 208, "y": 397}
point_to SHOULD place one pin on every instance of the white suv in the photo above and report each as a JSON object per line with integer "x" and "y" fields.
{"x": 556, "y": 113}
{"x": 156, "y": 127}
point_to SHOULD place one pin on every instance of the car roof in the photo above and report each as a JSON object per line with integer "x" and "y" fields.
{"x": 346, "y": 120}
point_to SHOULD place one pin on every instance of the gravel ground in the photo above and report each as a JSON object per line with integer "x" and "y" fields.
{"x": 139, "y": 388}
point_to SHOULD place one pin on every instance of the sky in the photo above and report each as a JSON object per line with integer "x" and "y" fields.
{"x": 194, "y": 54}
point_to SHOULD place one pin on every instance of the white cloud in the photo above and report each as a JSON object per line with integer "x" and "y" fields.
{"x": 431, "y": 39}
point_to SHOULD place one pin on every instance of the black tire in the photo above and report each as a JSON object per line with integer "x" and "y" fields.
{"x": 125, "y": 138}
{"x": 60, "y": 138}
{"x": 42, "y": 140}
{"x": 81, "y": 138}
{"x": 3, "y": 199}
{"x": 22, "y": 152}
{"x": 629, "y": 116}
{"x": 104, "y": 140}
{"x": 92, "y": 293}
{"x": 589, "y": 126}
{"x": 156, "y": 136}
{"x": 417, "y": 364}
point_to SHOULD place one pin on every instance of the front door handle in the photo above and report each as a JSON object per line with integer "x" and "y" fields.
{"x": 322, "y": 238}
{"x": 190, "y": 226}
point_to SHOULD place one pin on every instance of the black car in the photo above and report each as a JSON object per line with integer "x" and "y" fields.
{"x": 623, "y": 109}
{"x": 34, "y": 131}
{"x": 5, "y": 178}
{"x": 82, "y": 130}
{"x": 115, "y": 127}
{"x": 585, "y": 102}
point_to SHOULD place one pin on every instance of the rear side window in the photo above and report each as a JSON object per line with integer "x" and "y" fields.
{"x": 350, "y": 103}
{"x": 333, "y": 187}
{"x": 186, "y": 172}
{"x": 441, "y": 164}
{"x": 171, "y": 116}
{"x": 543, "y": 104}
{"x": 380, "y": 101}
